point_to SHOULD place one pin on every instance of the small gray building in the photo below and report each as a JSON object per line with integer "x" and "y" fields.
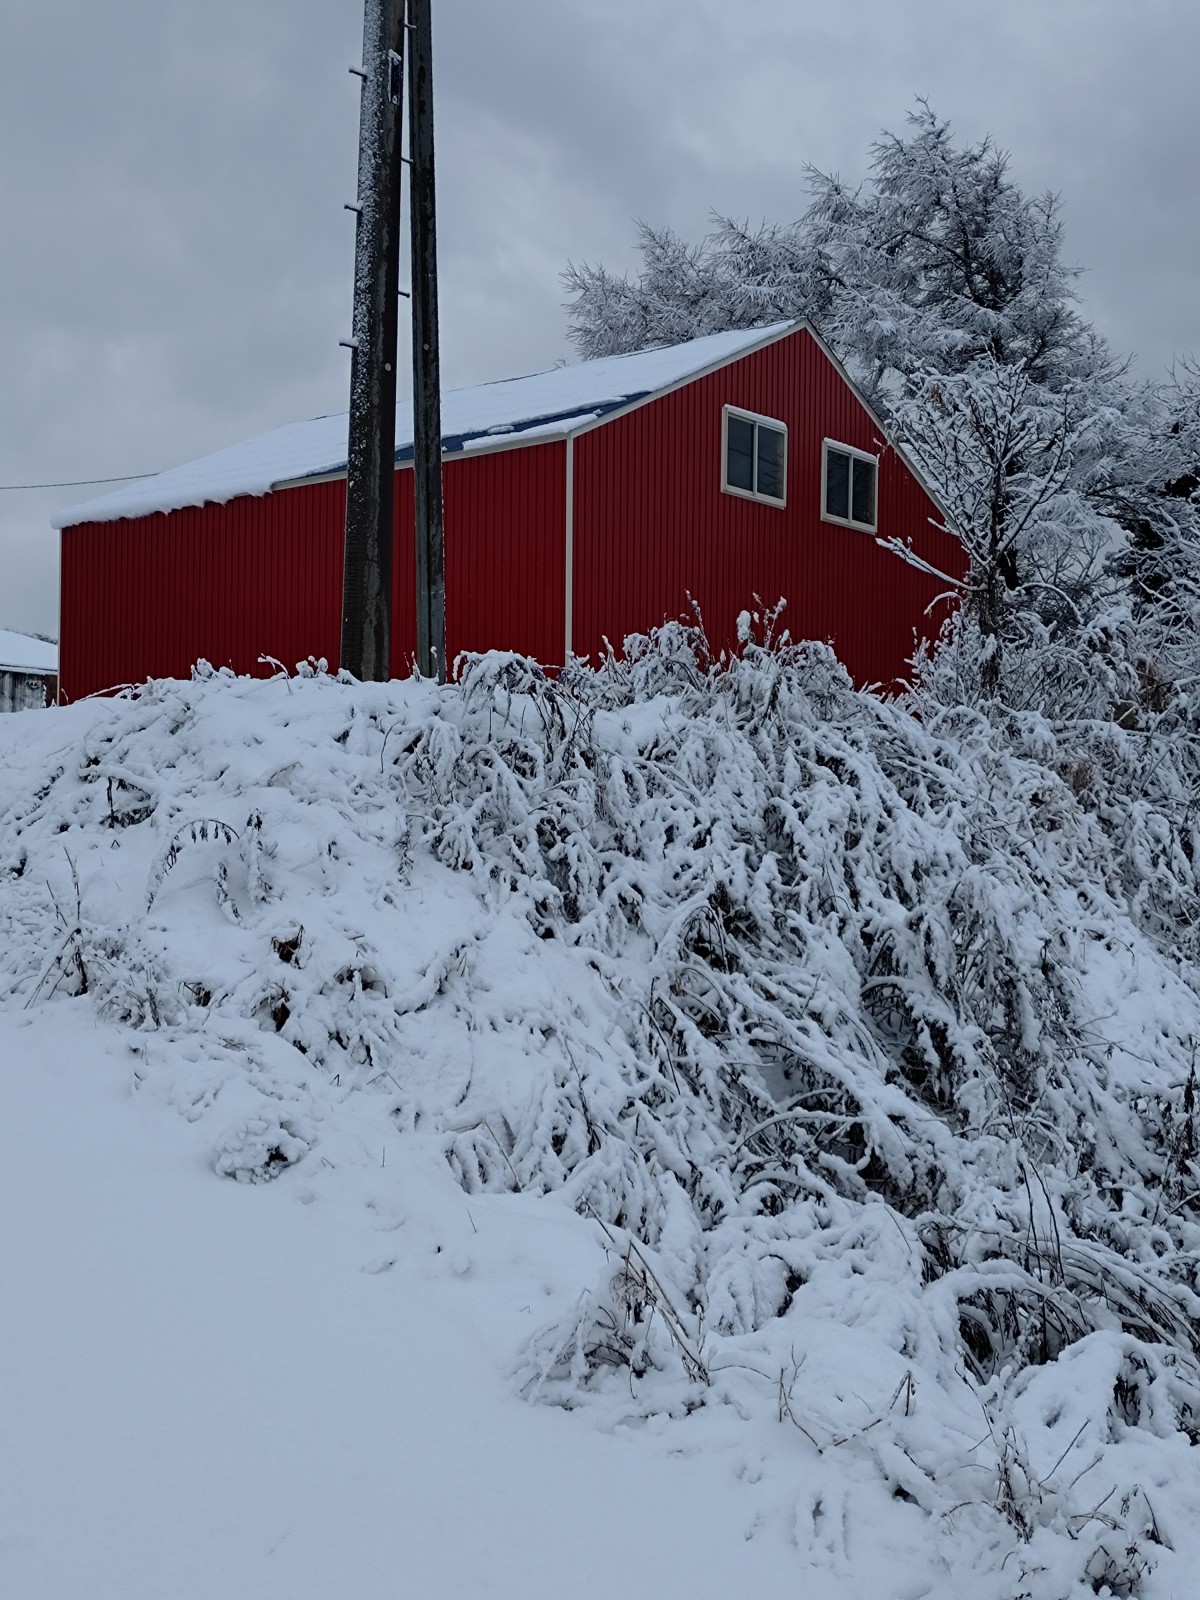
{"x": 28, "y": 672}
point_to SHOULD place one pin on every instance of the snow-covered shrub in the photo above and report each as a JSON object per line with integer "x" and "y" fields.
{"x": 864, "y": 1041}
{"x": 260, "y": 1149}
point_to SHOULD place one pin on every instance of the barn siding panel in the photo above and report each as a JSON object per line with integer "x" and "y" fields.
{"x": 152, "y": 595}
{"x": 505, "y": 514}
{"x": 262, "y": 575}
{"x": 653, "y": 527}
{"x": 148, "y": 597}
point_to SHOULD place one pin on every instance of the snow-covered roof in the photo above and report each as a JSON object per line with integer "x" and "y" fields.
{"x": 544, "y": 405}
{"x": 20, "y": 653}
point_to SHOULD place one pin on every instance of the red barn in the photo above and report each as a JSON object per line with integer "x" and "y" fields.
{"x": 581, "y": 504}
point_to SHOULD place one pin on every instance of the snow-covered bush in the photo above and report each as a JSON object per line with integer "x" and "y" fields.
{"x": 864, "y": 1041}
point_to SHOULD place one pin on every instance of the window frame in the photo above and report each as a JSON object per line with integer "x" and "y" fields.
{"x": 759, "y": 420}
{"x": 855, "y": 455}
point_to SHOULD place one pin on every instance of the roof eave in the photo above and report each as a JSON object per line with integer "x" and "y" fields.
{"x": 514, "y": 441}
{"x": 506, "y": 441}
{"x": 692, "y": 377}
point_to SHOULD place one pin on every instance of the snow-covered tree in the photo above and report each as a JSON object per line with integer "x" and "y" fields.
{"x": 1041, "y": 485}
{"x": 944, "y": 288}
{"x": 939, "y": 260}
{"x": 1159, "y": 561}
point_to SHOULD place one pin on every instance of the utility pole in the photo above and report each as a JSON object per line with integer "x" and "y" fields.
{"x": 371, "y": 456}
{"x": 427, "y": 391}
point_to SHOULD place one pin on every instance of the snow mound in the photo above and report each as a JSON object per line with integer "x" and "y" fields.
{"x": 856, "y": 1054}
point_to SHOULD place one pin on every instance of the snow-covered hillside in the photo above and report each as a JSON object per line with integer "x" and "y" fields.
{"x": 660, "y": 1132}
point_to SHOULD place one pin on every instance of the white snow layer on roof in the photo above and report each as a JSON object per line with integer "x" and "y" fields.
{"x": 545, "y": 405}
{"x": 20, "y": 653}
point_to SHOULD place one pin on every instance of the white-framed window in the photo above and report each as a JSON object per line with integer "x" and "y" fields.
{"x": 753, "y": 456}
{"x": 849, "y": 486}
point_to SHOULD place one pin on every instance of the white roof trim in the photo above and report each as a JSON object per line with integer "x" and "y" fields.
{"x": 517, "y": 441}
{"x": 509, "y": 442}
{"x": 540, "y": 406}
{"x": 573, "y": 401}
{"x": 771, "y": 336}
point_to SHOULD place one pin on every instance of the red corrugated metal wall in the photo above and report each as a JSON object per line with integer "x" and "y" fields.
{"x": 147, "y": 597}
{"x": 652, "y": 525}
{"x": 262, "y": 575}
{"x": 505, "y": 554}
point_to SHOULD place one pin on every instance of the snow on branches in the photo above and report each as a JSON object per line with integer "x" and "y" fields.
{"x": 942, "y": 286}
{"x": 940, "y": 260}
{"x": 865, "y": 1044}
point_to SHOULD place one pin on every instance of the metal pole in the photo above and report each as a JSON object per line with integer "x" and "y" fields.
{"x": 371, "y": 456}
{"x": 427, "y": 400}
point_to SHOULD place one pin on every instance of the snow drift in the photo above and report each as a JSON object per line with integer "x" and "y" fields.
{"x": 857, "y": 1050}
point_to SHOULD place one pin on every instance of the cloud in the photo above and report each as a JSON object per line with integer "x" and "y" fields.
{"x": 177, "y": 264}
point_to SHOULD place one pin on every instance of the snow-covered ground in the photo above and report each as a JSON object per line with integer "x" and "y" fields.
{"x": 214, "y": 1389}
{"x": 449, "y": 1147}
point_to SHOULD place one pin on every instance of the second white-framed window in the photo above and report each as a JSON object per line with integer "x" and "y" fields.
{"x": 849, "y": 486}
{"x": 753, "y": 456}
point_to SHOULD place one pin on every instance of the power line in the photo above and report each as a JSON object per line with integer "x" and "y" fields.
{"x": 77, "y": 483}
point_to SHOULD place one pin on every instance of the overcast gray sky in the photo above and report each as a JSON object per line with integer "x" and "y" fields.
{"x": 176, "y": 266}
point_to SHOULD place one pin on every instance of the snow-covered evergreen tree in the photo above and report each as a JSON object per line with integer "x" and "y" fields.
{"x": 944, "y": 288}
{"x": 939, "y": 260}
